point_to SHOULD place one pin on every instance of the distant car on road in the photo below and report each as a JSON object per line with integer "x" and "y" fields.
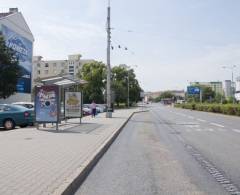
{"x": 86, "y": 110}
{"x": 15, "y": 115}
{"x": 100, "y": 108}
{"x": 29, "y": 105}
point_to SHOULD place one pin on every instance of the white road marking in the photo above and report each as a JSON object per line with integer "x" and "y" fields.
{"x": 193, "y": 126}
{"x": 210, "y": 129}
{"x": 198, "y": 129}
{"x": 191, "y": 117}
{"x": 201, "y": 120}
{"x": 236, "y": 130}
{"x": 216, "y": 124}
{"x": 179, "y": 114}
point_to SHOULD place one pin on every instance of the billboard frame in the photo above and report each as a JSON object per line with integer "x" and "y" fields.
{"x": 57, "y": 90}
{"x": 81, "y": 104}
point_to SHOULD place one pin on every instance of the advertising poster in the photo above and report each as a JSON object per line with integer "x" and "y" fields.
{"x": 73, "y": 107}
{"x": 47, "y": 103}
{"x": 24, "y": 49}
{"x": 192, "y": 90}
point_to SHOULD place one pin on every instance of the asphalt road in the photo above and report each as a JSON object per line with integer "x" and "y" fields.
{"x": 170, "y": 151}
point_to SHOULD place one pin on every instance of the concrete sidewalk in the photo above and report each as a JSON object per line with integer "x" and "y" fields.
{"x": 48, "y": 162}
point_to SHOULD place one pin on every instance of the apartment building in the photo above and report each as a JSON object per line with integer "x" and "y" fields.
{"x": 48, "y": 68}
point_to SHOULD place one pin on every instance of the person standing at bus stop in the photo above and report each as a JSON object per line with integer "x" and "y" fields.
{"x": 94, "y": 110}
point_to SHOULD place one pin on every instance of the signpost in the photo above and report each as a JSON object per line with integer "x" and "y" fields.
{"x": 194, "y": 90}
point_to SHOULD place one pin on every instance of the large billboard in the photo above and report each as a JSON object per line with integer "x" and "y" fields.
{"x": 24, "y": 50}
{"x": 47, "y": 103}
{"x": 193, "y": 90}
{"x": 73, "y": 104}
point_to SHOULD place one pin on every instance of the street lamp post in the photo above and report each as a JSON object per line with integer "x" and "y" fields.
{"x": 232, "y": 86}
{"x": 128, "y": 90}
{"x": 109, "y": 110}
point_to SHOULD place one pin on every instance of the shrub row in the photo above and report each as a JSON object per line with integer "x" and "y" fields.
{"x": 229, "y": 109}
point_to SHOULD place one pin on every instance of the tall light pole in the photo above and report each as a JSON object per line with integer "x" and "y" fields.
{"x": 109, "y": 110}
{"x": 231, "y": 68}
{"x": 128, "y": 89}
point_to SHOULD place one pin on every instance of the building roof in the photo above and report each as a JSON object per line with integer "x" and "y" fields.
{"x": 2, "y": 15}
{"x": 14, "y": 15}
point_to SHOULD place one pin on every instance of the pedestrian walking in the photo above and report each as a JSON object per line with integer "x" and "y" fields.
{"x": 94, "y": 110}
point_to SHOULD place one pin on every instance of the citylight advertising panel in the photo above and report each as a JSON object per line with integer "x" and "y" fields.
{"x": 24, "y": 49}
{"x": 47, "y": 103}
{"x": 73, "y": 104}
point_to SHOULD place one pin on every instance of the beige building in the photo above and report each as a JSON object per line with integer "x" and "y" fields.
{"x": 48, "y": 68}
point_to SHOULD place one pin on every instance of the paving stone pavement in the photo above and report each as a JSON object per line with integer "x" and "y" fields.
{"x": 44, "y": 161}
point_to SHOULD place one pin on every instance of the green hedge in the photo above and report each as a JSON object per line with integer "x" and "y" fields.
{"x": 229, "y": 109}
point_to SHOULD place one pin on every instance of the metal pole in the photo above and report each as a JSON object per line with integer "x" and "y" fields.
{"x": 200, "y": 95}
{"x": 232, "y": 86}
{"x": 128, "y": 90}
{"x": 109, "y": 111}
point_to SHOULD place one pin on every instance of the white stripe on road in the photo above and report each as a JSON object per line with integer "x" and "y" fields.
{"x": 180, "y": 114}
{"x": 210, "y": 129}
{"x": 191, "y": 117}
{"x": 201, "y": 120}
{"x": 216, "y": 124}
{"x": 236, "y": 130}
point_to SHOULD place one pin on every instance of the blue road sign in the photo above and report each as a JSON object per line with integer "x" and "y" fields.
{"x": 193, "y": 90}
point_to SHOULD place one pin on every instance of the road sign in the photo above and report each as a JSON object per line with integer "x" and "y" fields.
{"x": 193, "y": 90}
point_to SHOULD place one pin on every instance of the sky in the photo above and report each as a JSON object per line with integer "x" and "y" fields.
{"x": 170, "y": 42}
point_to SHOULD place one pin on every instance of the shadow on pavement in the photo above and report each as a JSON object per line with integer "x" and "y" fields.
{"x": 84, "y": 128}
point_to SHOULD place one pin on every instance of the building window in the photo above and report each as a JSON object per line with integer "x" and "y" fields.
{"x": 63, "y": 64}
{"x": 46, "y": 65}
{"x": 39, "y": 72}
{"x": 38, "y": 65}
{"x": 54, "y": 64}
{"x": 45, "y": 71}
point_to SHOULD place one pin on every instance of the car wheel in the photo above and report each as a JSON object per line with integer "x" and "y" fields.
{"x": 9, "y": 124}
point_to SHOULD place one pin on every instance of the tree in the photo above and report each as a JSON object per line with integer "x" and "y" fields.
{"x": 207, "y": 93}
{"x": 120, "y": 76}
{"x": 10, "y": 71}
{"x": 95, "y": 74}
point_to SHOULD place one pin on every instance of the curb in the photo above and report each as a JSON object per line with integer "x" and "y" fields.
{"x": 71, "y": 187}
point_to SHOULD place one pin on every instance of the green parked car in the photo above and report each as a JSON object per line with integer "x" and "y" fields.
{"x": 13, "y": 115}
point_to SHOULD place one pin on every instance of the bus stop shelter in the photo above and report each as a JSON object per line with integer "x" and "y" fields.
{"x": 58, "y": 98}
